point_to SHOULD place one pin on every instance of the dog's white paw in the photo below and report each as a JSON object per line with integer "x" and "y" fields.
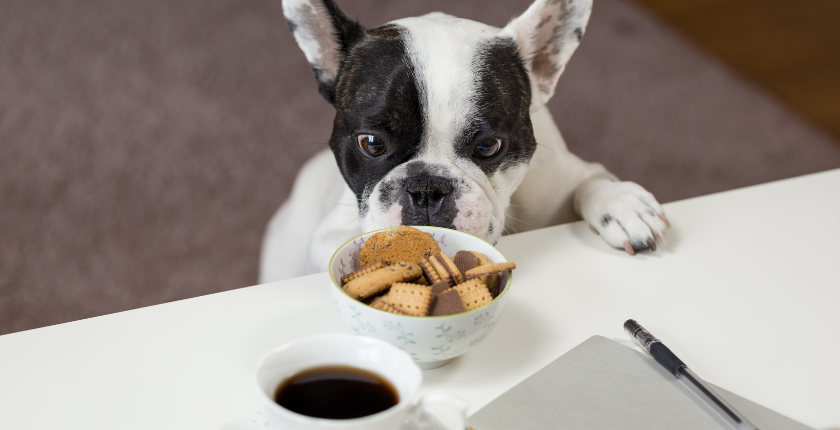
{"x": 626, "y": 215}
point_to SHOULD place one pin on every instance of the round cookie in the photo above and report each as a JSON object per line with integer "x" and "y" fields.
{"x": 398, "y": 244}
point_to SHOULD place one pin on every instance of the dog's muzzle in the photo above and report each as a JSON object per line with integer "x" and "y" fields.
{"x": 428, "y": 200}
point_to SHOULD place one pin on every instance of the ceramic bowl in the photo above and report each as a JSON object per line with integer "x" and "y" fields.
{"x": 431, "y": 341}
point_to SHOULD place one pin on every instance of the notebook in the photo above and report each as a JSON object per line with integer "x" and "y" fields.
{"x": 601, "y": 384}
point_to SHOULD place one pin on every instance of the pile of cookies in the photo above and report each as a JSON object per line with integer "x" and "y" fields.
{"x": 405, "y": 272}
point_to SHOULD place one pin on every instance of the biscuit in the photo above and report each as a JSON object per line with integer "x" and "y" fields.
{"x": 384, "y": 306}
{"x": 474, "y": 294}
{"x": 482, "y": 259}
{"x": 490, "y": 268}
{"x": 379, "y": 280}
{"x": 440, "y": 268}
{"x": 439, "y": 287}
{"x": 398, "y": 244}
{"x": 410, "y": 299}
{"x": 372, "y": 267}
{"x": 447, "y": 303}
{"x": 429, "y": 271}
{"x": 382, "y": 295}
{"x": 450, "y": 266}
{"x": 465, "y": 260}
{"x": 492, "y": 280}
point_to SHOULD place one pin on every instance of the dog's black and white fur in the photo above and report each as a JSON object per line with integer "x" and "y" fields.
{"x": 442, "y": 121}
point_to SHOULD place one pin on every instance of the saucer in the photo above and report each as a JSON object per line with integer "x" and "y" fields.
{"x": 249, "y": 420}
{"x": 255, "y": 420}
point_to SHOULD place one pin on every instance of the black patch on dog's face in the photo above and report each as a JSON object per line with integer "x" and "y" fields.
{"x": 376, "y": 94}
{"x": 503, "y": 102}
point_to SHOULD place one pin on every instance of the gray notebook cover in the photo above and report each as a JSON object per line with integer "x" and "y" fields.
{"x": 601, "y": 384}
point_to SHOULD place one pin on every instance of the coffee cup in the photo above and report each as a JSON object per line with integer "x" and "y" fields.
{"x": 367, "y": 354}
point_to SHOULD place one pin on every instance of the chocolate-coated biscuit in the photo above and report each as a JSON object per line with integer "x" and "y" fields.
{"x": 465, "y": 260}
{"x": 440, "y": 268}
{"x": 448, "y": 303}
{"x": 453, "y": 270}
{"x": 429, "y": 271}
{"x": 439, "y": 287}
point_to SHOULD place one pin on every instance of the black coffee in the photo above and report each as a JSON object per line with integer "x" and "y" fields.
{"x": 336, "y": 392}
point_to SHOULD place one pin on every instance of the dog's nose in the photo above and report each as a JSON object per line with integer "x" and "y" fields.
{"x": 427, "y": 202}
{"x": 427, "y": 191}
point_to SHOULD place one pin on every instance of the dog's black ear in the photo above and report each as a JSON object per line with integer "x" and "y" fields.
{"x": 547, "y": 35}
{"x": 325, "y": 35}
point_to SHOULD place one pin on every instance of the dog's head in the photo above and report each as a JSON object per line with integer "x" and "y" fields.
{"x": 432, "y": 122}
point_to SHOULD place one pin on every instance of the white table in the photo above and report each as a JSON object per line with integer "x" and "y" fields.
{"x": 747, "y": 292}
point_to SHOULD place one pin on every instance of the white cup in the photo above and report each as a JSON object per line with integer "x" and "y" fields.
{"x": 374, "y": 355}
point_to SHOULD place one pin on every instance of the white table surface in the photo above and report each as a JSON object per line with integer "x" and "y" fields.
{"x": 747, "y": 292}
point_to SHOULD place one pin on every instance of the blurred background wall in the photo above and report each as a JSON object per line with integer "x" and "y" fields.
{"x": 790, "y": 49}
{"x": 145, "y": 144}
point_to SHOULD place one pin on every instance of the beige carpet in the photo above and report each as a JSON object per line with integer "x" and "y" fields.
{"x": 145, "y": 144}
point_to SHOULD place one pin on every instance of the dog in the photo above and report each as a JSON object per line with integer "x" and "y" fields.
{"x": 442, "y": 121}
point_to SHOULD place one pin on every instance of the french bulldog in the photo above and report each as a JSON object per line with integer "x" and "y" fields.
{"x": 442, "y": 121}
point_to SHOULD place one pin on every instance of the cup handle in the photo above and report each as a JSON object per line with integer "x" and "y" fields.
{"x": 422, "y": 420}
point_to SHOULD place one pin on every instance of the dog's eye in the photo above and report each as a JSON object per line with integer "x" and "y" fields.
{"x": 371, "y": 144}
{"x": 487, "y": 147}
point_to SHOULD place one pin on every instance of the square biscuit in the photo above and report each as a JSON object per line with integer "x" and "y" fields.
{"x": 474, "y": 294}
{"x": 410, "y": 299}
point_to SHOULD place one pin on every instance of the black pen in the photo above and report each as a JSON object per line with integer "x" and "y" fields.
{"x": 674, "y": 365}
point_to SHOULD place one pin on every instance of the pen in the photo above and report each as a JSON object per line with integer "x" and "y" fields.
{"x": 674, "y": 365}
